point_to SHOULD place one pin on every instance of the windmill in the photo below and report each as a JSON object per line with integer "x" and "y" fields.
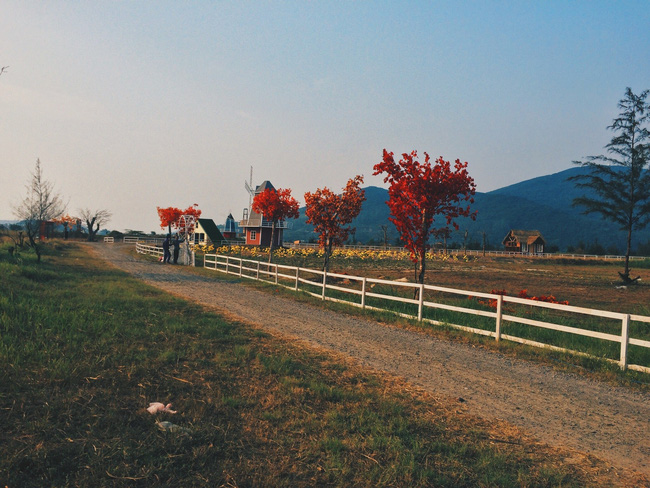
{"x": 250, "y": 189}
{"x": 251, "y": 194}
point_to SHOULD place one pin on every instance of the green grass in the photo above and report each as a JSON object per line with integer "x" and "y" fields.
{"x": 84, "y": 349}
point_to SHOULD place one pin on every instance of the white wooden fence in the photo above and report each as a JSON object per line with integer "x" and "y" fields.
{"x": 150, "y": 240}
{"x": 143, "y": 248}
{"x": 186, "y": 257}
{"x": 361, "y": 289}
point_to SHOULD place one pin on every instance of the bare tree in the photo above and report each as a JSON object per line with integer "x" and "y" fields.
{"x": 40, "y": 205}
{"x": 94, "y": 220}
{"x": 15, "y": 233}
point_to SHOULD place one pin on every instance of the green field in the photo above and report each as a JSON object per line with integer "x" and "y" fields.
{"x": 85, "y": 348}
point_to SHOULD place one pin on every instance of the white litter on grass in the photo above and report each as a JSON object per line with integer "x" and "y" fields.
{"x": 155, "y": 407}
{"x": 169, "y": 427}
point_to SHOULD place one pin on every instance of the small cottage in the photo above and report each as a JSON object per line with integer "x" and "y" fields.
{"x": 524, "y": 241}
{"x": 206, "y": 232}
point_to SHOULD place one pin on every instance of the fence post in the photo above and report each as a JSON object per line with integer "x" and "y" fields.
{"x": 421, "y": 304}
{"x": 257, "y": 276}
{"x": 324, "y": 283}
{"x": 276, "y": 274}
{"x": 227, "y": 263}
{"x": 625, "y": 339}
{"x": 363, "y": 293}
{"x": 297, "y": 278}
{"x": 499, "y": 315}
{"x": 241, "y": 267}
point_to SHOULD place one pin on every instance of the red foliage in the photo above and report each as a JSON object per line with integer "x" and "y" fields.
{"x": 420, "y": 192}
{"x": 66, "y": 220}
{"x": 492, "y": 303}
{"x": 276, "y": 205}
{"x": 330, "y": 213}
{"x": 542, "y": 298}
{"x": 170, "y": 216}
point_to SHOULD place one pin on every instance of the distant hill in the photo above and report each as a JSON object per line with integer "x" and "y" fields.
{"x": 374, "y": 213}
{"x": 543, "y": 203}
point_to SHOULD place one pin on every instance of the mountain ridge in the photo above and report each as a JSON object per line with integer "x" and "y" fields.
{"x": 543, "y": 203}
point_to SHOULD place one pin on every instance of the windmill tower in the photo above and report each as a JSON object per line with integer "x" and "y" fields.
{"x": 251, "y": 193}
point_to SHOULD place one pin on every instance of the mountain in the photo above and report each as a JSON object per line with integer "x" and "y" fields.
{"x": 543, "y": 203}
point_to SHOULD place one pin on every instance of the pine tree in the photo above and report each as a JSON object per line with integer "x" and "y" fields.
{"x": 619, "y": 183}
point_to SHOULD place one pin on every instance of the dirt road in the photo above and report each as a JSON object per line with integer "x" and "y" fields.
{"x": 559, "y": 409}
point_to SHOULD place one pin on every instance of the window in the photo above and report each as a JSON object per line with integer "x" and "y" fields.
{"x": 253, "y": 235}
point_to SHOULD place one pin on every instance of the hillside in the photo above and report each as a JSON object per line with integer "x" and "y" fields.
{"x": 542, "y": 203}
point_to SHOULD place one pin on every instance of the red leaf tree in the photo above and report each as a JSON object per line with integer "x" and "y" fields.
{"x": 330, "y": 214}
{"x": 421, "y": 192}
{"x": 170, "y": 217}
{"x": 68, "y": 222}
{"x": 275, "y": 206}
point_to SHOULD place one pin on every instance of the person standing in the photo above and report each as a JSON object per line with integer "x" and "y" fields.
{"x": 166, "y": 254}
{"x": 177, "y": 247}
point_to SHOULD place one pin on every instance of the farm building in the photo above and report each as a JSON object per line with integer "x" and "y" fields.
{"x": 206, "y": 232}
{"x": 524, "y": 241}
{"x": 256, "y": 228}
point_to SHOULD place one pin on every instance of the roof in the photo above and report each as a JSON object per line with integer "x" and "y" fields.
{"x": 230, "y": 226}
{"x": 254, "y": 220}
{"x": 527, "y": 236}
{"x": 266, "y": 185}
{"x": 210, "y": 228}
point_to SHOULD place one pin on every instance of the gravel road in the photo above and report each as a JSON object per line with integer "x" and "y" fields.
{"x": 559, "y": 409}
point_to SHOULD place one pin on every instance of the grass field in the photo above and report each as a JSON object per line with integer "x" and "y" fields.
{"x": 84, "y": 349}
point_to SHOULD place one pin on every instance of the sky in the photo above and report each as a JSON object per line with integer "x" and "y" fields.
{"x": 133, "y": 105}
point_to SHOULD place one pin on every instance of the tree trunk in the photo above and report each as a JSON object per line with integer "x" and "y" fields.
{"x": 423, "y": 251}
{"x": 627, "y": 252}
{"x": 272, "y": 246}
{"x": 91, "y": 232}
{"x": 423, "y": 267}
{"x": 328, "y": 253}
{"x": 35, "y": 246}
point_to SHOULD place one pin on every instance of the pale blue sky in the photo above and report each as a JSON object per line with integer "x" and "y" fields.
{"x": 131, "y": 105}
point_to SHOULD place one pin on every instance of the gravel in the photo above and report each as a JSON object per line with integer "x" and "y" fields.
{"x": 559, "y": 409}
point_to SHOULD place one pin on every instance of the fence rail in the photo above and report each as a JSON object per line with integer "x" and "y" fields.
{"x": 143, "y": 248}
{"x": 150, "y": 240}
{"x": 185, "y": 257}
{"x": 427, "y": 306}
